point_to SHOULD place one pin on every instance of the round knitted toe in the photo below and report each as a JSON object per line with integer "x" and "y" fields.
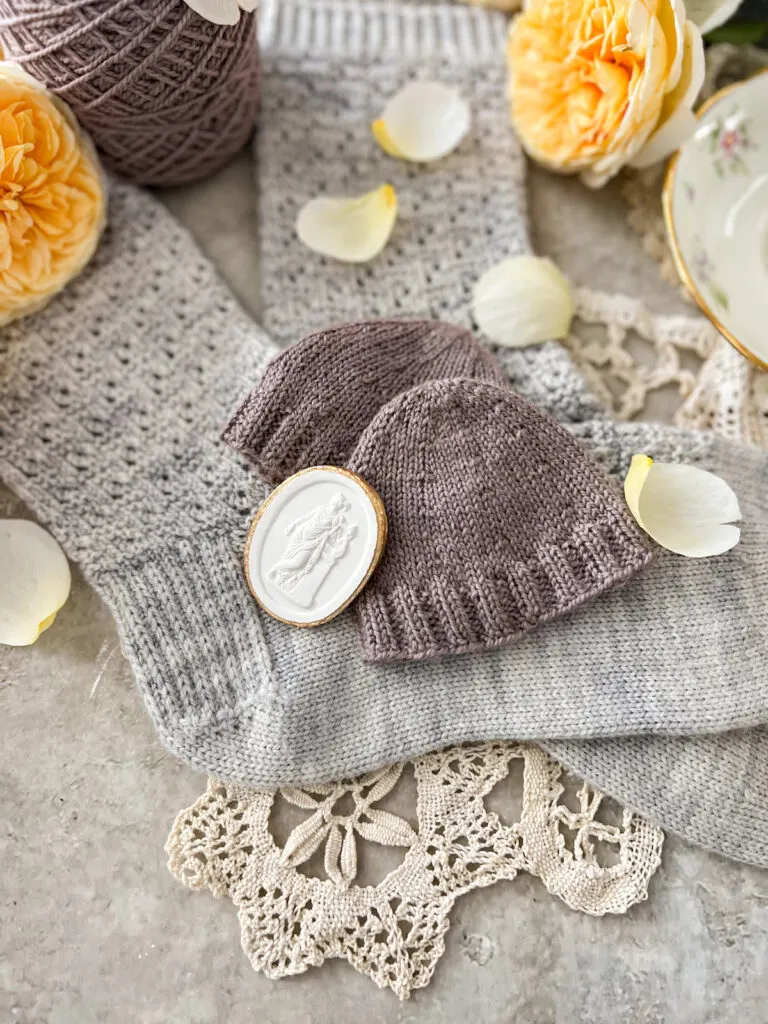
{"x": 498, "y": 520}
{"x": 317, "y": 397}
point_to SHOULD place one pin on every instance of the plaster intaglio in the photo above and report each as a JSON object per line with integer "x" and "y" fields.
{"x": 314, "y": 544}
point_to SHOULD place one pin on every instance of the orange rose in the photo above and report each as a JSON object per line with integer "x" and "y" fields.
{"x": 597, "y": 84}
{"x": 52, "y": 197}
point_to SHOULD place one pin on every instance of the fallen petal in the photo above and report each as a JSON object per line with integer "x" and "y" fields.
{"x": 220, "y": 12}
{"x": 351, "y": 230}
{"x": 36, "y": 581}
{"x": 683, "y": 508}
{"x": 423, "y": 122}
{"x": 634, "y": 483}
{"x": 523, "y": 301}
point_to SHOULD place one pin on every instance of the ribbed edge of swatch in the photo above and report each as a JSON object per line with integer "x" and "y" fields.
{"x": 194, "y": 640}
{"x": 492, "y": 610}
{"x": 346, "y": 28}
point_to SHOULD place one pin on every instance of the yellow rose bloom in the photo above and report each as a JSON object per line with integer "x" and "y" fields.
{"x": 52, "y": 196}
{"x": 597, "y": 84}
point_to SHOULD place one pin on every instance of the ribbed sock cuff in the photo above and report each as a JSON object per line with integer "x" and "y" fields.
{"x": 192, "y": 633}
{"x": 324, "y": 28}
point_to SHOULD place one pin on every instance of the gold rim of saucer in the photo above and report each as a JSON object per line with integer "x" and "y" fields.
{"x": 674, "y": 244}
{"x": 381, "y": 541}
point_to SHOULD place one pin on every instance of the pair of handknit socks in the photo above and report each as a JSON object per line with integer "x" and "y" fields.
{"x": 112, "y": 402}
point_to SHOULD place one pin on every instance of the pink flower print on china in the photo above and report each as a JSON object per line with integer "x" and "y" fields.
{"x": 729, "y": 140}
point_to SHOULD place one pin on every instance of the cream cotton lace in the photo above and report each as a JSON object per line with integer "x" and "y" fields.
{"x": 394, "y": 931}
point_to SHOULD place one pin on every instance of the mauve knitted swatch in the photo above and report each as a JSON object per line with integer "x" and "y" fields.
{"x": 497, "y": 521}
{"x": 316, "y": 398}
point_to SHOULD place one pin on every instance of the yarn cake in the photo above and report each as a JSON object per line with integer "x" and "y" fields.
{"x": 166, "y": 95}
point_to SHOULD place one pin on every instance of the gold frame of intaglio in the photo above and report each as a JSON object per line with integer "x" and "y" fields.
{"x": 381, "y": 522}
{"x": 680, "y": 265}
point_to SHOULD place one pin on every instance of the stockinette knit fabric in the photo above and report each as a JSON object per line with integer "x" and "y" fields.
{"x": 111, "y": 405}
{"x": 326, "y": 62}
{"x": 497, "y": 521}
{"x": 316, "y": 398}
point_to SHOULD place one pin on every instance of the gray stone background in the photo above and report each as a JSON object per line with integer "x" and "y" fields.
{"x": 93, "y": 928}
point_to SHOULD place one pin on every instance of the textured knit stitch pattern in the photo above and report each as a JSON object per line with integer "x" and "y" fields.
{"x": 497, "y": 522}
{"x": 111, "y": 405}
{"x": 166, "y": 95}
{"x": 316, "y": 399}
{"x": 333, "y": 66}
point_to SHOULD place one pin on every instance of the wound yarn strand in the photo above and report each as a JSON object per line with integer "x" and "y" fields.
{"x": 166, "y": 95}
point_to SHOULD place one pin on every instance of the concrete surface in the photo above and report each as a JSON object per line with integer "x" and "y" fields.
{"x": 94, "y": 929}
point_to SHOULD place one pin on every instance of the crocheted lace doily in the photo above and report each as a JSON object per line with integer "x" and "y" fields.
{"x": 629, "y": 355}
{"x": 293, "y": 918}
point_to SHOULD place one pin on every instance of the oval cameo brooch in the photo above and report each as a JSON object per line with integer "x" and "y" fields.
{"x": 314, "y": 544}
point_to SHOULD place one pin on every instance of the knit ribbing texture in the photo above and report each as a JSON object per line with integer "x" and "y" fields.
{"x": 316, "y": 398}
{"x": 111, "y": 405}
{"x": 497, "y": 521}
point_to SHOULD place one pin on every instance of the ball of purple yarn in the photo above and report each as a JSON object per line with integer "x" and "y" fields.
{"x": 166, "y": 95}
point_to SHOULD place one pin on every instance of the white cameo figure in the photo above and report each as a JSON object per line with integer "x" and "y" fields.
{"x": 317, "y": 541}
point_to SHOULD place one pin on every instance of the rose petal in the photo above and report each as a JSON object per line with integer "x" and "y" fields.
{"x": 36, "y": 581}
{"x": 523, "y": 301}
{"x": 709, "y": 14}
{"x": 353, "y": 230}
{"x": 683, "y": 508}
{"x": 220, "y": 12}
{"x": 634, "y": 483}
{"x": 423, "y": 122}
{"x": 677, "y": 122}
{"x": 671, "y": 15}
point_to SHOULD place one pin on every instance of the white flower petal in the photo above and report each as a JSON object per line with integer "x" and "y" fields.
{"x": 710, "y": 14}
{"x": 352, "y": 230}
{"x": 683, "y": 508}
{"x": 677, "y": 121}
{"x": 523, "y": 301}
{"x": 671, "y": 15}
{"x": 36, "y": 581}
{"x": 680, "y": 491}
{"x": 423, "y": 122}
{"x": 220, "y": 12}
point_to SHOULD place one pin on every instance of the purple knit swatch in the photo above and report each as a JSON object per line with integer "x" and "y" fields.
{"x": 498, "y": 520}
{"x": 317, "y": 398}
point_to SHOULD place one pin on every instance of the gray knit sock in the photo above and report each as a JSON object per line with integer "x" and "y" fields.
{"x": 654, "y": 654}
{"x": 111, "y": 405}
{"x": 331, "y": 66}
{"x": 112, "y": 438}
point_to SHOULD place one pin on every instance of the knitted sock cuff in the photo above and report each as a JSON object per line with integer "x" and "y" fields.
{"x": 192, "y": 633}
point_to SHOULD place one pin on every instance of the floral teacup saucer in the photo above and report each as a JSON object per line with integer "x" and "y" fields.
{"x": 716, "y": 212}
